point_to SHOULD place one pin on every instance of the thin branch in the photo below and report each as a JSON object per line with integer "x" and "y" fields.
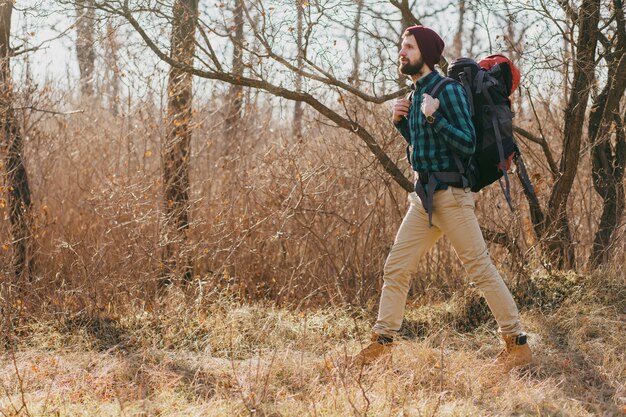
{"x": 544, "y": 145}
{"x": 65, "y": 113}
{"x": 17, "y": 51}
{"x": 327, "y": 78}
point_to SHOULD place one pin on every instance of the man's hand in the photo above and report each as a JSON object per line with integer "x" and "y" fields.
{"x": 429, "y": 105}
{"x": 401, "y": 109}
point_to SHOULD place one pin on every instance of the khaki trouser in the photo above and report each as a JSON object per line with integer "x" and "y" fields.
{"x": 453, "y": 215}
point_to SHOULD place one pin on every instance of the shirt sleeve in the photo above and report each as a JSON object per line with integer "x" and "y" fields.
{"x": 403, "y": 128}
{"x": 453, "y": 121}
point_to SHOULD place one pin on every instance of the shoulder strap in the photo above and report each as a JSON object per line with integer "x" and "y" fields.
{"x": 466, "y": 80}
{"x": 440, "y": 86}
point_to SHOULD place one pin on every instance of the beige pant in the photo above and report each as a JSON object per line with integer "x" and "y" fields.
{"x": 454, "y": 216}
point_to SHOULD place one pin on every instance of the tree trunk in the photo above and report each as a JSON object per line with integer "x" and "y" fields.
{"x": 458, "y": 37}
{"x": 355, "y": 78}
{"x": 405, "y": 22}
{"x": 612, "y": 192}
{"x": 235, "y": 92}
{"x": 297, "y": 108}
{"x": 176, "y": 261}
{"x": 85, "y": 51}
{"x": 607, "y": 160}
{"x": 558, "y": 239}
{"x": 112, "y": 69}
{"x": 19, "y": 203}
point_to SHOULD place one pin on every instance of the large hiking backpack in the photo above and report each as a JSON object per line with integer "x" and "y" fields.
{"x": 488, "y": 84}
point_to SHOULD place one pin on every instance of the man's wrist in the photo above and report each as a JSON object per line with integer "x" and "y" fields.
{"x": 432, "y": 117}
{"x": 397, "y": 122}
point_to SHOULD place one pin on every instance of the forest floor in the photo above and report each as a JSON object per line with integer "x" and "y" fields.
{"x": 191, "y": 357}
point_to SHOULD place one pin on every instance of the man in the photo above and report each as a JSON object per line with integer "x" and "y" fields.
{"x": 440, "y": 133}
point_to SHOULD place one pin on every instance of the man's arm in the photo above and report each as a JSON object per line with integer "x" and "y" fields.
{"x": 400, "y": 114}
{"x": 455, "y": 127}
{"x": 403, "y": 128}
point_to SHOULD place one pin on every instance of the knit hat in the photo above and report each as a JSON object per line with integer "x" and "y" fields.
{"x": 430, "y": 44}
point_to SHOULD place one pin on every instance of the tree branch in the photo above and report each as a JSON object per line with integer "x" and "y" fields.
{"x": 544, "y": 145}
{"x": 389, "y": 166}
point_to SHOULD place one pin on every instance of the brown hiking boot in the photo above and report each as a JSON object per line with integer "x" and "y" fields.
{"x": 379, "y": 347}
{"x": 516, "y": 353}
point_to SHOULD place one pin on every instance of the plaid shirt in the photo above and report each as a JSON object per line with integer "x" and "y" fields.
{"x": 453, "y": 130}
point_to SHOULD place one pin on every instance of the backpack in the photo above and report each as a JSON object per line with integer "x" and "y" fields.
{"x": 488, "y": 84}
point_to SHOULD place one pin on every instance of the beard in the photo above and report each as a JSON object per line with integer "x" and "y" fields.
{"x": 412, "y": 68}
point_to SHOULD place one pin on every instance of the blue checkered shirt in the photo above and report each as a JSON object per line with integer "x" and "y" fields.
{"x": 453, "y": 131}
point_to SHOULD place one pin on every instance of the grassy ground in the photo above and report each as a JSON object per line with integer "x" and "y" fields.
{"x": 194, "y": 356}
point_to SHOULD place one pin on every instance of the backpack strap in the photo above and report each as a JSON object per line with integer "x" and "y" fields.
{"x": 440, "y": 86}
{"x": 408, "y": 146}
{"x": 433, "y": 93}
{"x": 426, "y": 187}
{"x": 465, "y": 78}
{"x": 496, "y": 128}
{"x": 480, "y": 77}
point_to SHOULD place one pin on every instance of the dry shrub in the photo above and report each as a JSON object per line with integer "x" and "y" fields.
{"x": 305, "y": 222}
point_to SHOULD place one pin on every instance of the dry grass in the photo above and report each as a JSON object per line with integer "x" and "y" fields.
{"x": 215, "y": 356}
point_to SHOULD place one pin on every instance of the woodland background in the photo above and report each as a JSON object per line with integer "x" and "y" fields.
{"x": 194, "y": 159}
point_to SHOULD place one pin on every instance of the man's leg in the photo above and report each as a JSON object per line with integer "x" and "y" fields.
{"x": 456, "y": 218}
{"x": 413, "y": 240}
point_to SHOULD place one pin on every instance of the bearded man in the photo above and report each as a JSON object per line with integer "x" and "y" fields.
{"x": 440, "y": 133}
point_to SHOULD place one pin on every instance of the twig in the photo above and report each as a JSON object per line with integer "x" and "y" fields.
{"x": 544, "y": 143}
{"x": 442, "y": 364}
{"x": 232, "y": 364}
{"x": 437, "y": 406}
{"x": 50, "y": 111}
{"x": 266, "y": 383}
{"x": 21, "y": 385}
{"x": 302, "y": 347}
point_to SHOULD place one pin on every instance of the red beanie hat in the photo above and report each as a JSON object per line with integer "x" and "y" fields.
{"x": 430, "y": 44}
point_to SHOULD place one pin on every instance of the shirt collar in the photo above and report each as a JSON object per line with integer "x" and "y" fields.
{"x": 425, "y": 81}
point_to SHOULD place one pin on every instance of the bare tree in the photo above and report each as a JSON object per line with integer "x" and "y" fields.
{"x": 19, "y": 198}
{"x": 552, "y": 226}
{"x": 458, "y": 37}
{"x": 608, "y": 157}
{"x": 85, "y": 50}
{"x": 176, "y": 149}
{"x": 558, "y": 236}
{"x": 355, "y": 76}
{"x": 112, "y": 68}
{"x": 297, "y": 108}
{"x": 235, "y": 93}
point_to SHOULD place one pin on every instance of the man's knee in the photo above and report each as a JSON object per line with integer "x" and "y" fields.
{"x": 397, "y": 274}
{"x": 480, "y": 266}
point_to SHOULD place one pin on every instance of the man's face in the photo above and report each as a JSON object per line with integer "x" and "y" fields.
{"x": 411, "y": 62}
